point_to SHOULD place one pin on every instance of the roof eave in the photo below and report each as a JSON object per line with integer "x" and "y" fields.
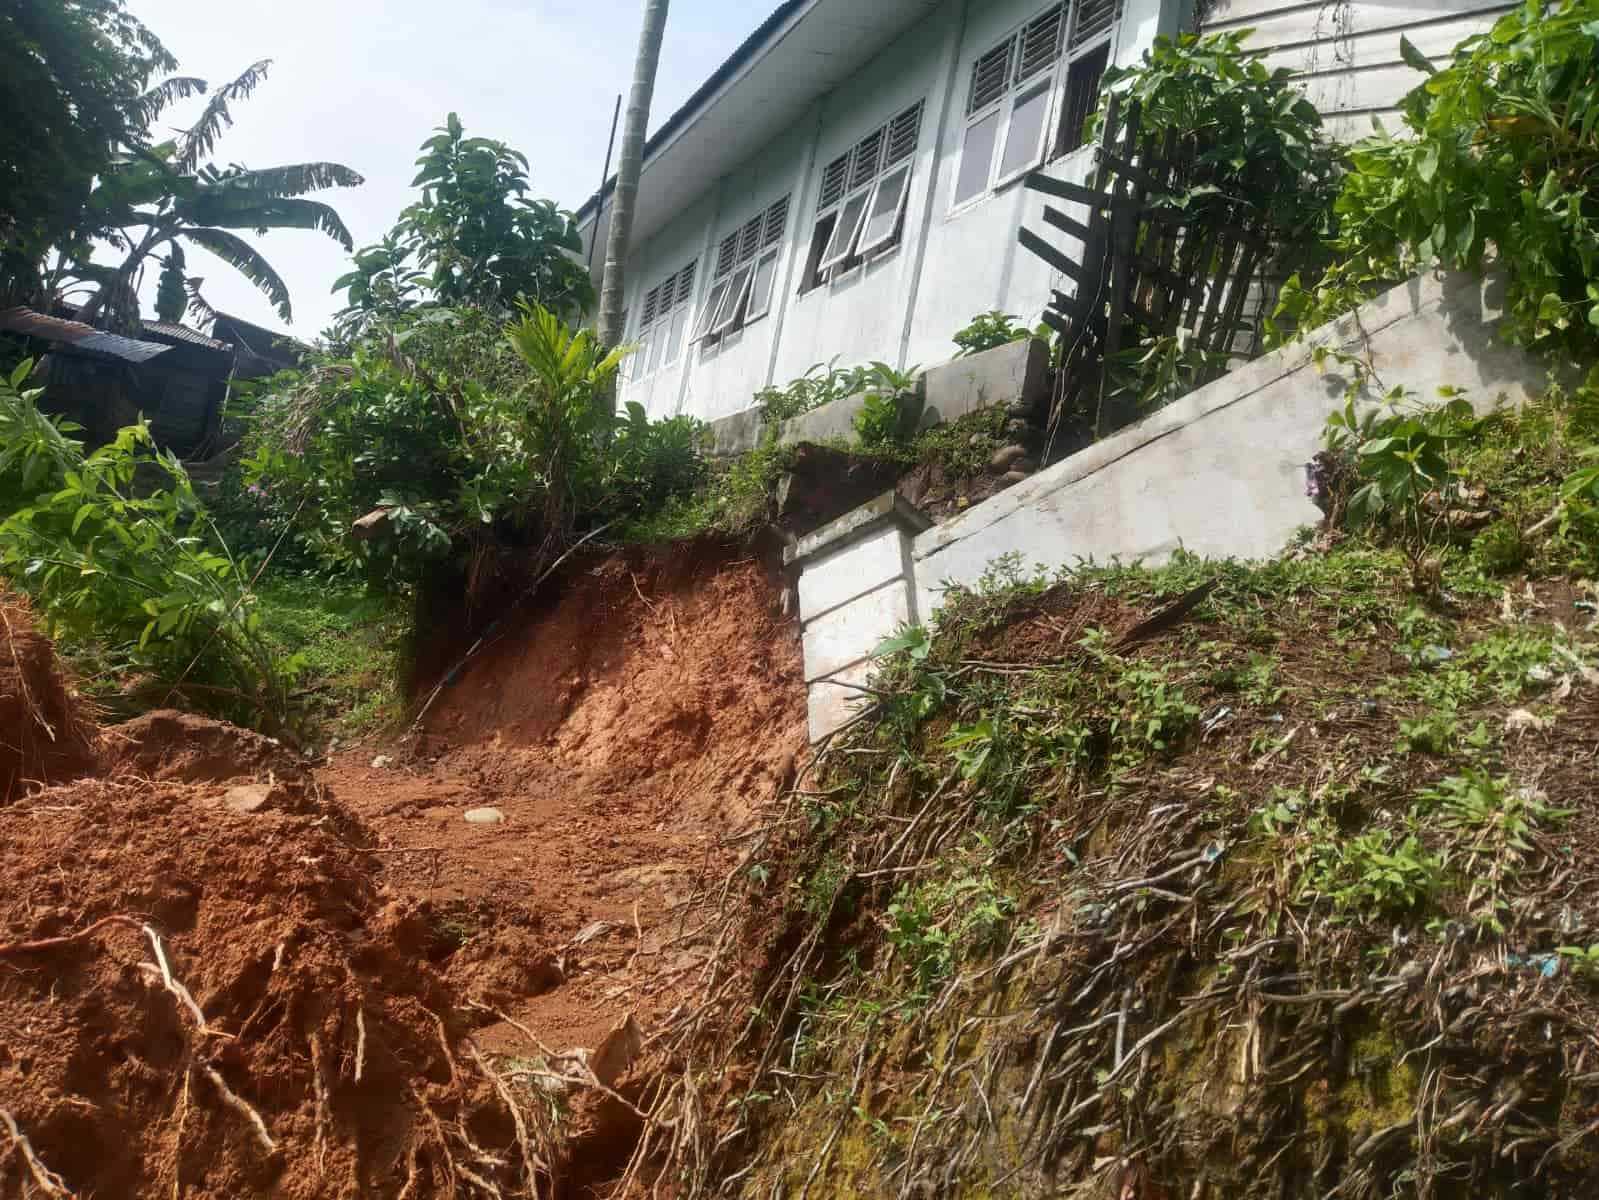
{"x": 705, "y": 95}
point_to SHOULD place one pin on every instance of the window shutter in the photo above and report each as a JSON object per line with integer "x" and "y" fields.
{"x": 990, "y": 77}
{"x": 652, "y": 304}
{"x": 903, "y": 134}
{"x": 685, "y": 283}
{"x": 727, "y": 255}
{"x": 868, "y": 155}
{"x": 1040, "y": 43}
{"x": 776, "y": 223}
{"x": 835, "y": 179}
{"x": 1094, "y": 17}
{"x": 749, "y": 239}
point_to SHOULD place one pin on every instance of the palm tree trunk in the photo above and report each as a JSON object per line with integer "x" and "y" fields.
{"x": 628, "y": 170}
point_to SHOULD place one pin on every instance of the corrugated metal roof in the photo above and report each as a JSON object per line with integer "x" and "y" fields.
{"x": 78, "y": 335}
{"x": 126, "y": 349}
{"x": 182, "y": 333}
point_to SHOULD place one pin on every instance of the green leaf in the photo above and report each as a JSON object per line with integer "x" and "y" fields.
{"x": 1427, "y": 162}
{"x": 1414, "y": 57}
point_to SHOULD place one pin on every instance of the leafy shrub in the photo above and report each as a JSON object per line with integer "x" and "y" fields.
{"x": 653, "y": 461}
{"x": 1400, "y": 454}
{"x": 821, "y": 384}
{"x": 825, "y": 383}
{"x": 135, "y": 568}
{"x": 990, "y": 330}
{"x": 1496, "y": 161}
{"x": 891, "y": 415}
{"x": 474, "y": 237}
{"x": 1162, "y": 370}
{"x": 480, "y": 442}
{"x": 1374, "y": 873}
{"x": 1261, "y": 143}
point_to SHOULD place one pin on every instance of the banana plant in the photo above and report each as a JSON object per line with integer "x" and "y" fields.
{"x": 158, "y": 198}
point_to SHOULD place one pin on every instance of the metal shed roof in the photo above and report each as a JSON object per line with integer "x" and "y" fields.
{"x": 182, "y": 333}
{"x": 82, "y": 338}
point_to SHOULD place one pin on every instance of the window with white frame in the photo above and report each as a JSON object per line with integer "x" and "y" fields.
{"x": 663, "y": 322}
{"x": 746, "y": 274}
{"x": 1054, "y": 62}
{"x": 860, "y": 210}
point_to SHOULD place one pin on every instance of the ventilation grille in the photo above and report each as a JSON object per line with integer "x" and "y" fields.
{"x": 776, "y": 223}
{"x": 990, "y": 77}
{"x": 1094, "y": 17}
{"x": 1040, "y": 43}
{"x": 727, "y": 255}
{"x": 868, "y": 156}
{"x": 904, "y": 131}
{"x": 835, "y": 179}
{"x": 749, "y": 239}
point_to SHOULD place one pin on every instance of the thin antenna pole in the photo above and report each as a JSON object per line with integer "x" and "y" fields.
{"x": 599, "y": 197}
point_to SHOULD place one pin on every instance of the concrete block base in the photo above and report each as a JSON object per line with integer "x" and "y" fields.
{"x": 856, "y": 590}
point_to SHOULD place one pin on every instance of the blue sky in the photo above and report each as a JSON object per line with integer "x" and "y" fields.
{"x": 363, "y": 82}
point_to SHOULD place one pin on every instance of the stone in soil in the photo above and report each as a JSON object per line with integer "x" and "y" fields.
{"x": 485, "y": 816}
{"x": 1006, "y": 457}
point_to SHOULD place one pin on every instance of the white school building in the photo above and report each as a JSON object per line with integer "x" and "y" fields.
{"x": 849, "y": 183}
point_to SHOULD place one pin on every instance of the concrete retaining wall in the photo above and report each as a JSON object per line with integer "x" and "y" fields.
{"x": 1014, "y": 374}
{"x": 1221, "y": 472}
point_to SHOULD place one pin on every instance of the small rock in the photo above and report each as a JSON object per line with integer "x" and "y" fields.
{"x": 249, "y": 798}
{"x": 1006, "y": 457}
{"x": 978, "y": 439}
{"x": 1017, "y": 429}
{"x": 1012, "y": 478}
{"x": 1525, "y": 721}
{"x": 485, "y": 816}
{"x": 382, "y": 762}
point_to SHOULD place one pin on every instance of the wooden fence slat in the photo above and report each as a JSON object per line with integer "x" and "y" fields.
{"x": 1053, "y": 216}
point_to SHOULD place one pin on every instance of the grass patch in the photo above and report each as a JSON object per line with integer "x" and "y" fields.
{"x": 346, "y": 647}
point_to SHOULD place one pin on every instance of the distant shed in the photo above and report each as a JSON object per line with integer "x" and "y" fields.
{"x": 258, "y": 351}
{"x": 174, "y": 378}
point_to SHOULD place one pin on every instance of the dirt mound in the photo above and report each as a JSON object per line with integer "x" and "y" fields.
{"x": 620, "y": 738}
{"x": 202, "y": 1001}
{"x": 181, "y": 747}
{"x": 45, "y": 733}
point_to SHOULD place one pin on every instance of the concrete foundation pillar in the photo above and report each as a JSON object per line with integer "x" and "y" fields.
{"x": 857, "y": 587}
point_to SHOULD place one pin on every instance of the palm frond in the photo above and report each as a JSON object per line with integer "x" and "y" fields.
{"x": 243, "y": 211}
{"x": 149, "y": 107}
{"x": 199, "y": 141}
{"x": 199, "y": 307}
{"x": 296, "y": 180}
{"x": 247, "y": 261}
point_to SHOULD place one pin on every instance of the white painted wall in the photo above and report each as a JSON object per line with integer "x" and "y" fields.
{"x": 1345, "y": 53}
{"x": 904, "y": 306}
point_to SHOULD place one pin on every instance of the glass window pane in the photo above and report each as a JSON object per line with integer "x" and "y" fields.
{"x": 640, "y": 357}
{"x": 761, "y": 289}
{"x": 708, "y": 313}
{"x": 735, "y": 298}
{"x": 848, "y": 227}
{"x": 977, "y": 157}
{"x": 657, "y": 341}
{"x": 1026, "y": 136}
{"x": 884, "y": 217}
{"x": 674, "y": 338}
